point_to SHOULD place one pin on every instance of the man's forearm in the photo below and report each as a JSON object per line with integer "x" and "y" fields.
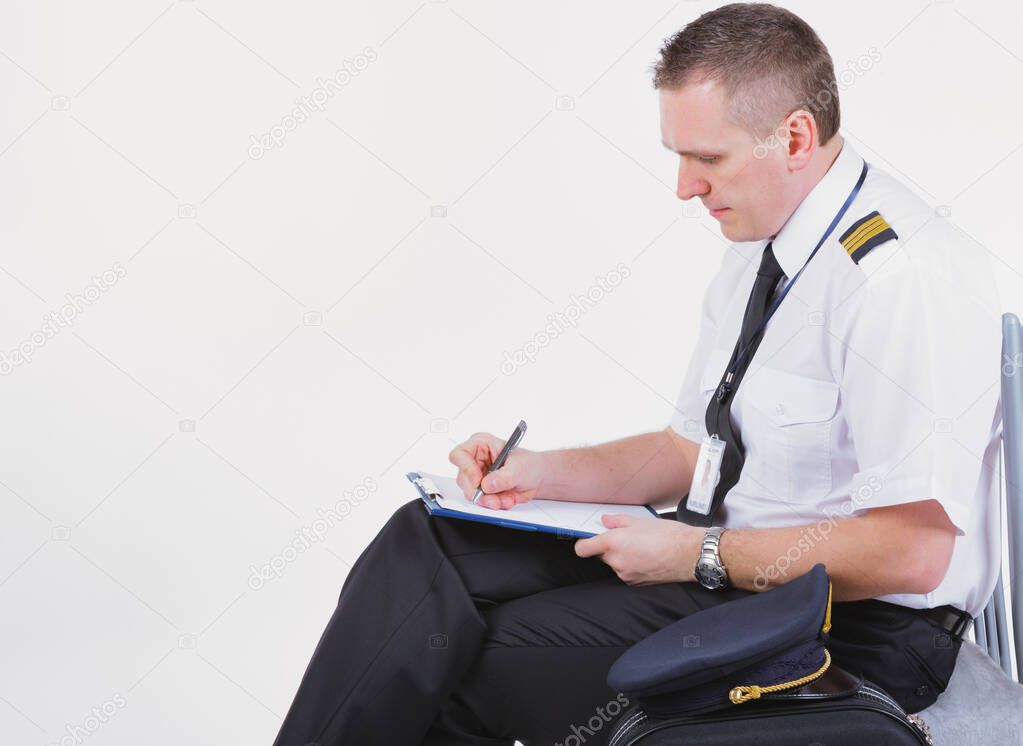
{"x": 900, "y": 549}
{"x": 760, "y": 559}
{"x": 649, "y": 468}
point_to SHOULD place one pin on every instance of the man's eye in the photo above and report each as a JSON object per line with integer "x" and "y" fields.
{"x": 707, "y": 158}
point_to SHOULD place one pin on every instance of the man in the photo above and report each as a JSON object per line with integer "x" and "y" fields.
{"x": 858, "y": 417}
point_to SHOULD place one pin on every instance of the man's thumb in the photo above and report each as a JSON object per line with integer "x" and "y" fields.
{"x": 494, "y": 483}
{"x": 616, "y": 520}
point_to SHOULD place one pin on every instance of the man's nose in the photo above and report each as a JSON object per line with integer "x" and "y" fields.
{"x": 689, "y": 185}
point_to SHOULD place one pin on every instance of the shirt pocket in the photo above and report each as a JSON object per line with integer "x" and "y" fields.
{"x": 788, "y": 431}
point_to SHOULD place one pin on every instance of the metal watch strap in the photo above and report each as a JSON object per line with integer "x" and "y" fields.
{"x": 711, "y": 544}
{"x": 710, "y": 571}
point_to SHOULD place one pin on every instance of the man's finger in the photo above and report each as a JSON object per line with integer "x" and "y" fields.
{"x": 505, "y": 500}
{"x": 469, "y": 471}
{"x": 590, "y": 547}
{"x": 618, "y": 520}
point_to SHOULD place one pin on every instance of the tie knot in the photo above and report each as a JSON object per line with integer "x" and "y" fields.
{"x": 769, "y": 266}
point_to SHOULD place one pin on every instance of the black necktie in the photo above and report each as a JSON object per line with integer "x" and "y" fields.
{"x": 718, "y": 419}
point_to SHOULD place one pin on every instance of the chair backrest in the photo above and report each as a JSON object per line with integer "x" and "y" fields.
{"x": 1012, "y": 446}
{"x": 992, "y": 628}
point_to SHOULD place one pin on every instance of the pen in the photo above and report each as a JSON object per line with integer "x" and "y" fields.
{"x": 513, "y": 441}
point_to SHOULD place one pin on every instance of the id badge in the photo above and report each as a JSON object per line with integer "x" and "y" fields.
{"x": 706, "y": 475}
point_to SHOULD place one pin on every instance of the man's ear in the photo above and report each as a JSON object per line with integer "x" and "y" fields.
{"x": 802, "y": 131}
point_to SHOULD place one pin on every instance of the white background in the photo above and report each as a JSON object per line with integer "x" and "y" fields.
{"x": 338, "y": 310}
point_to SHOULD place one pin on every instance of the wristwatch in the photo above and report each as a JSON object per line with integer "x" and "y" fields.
{"x": 710, "y": 573}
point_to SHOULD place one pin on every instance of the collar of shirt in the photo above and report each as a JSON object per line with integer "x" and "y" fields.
{"x": 807, "y": 224}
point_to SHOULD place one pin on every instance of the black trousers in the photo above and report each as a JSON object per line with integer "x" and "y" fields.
{"x": 462, "y": 633}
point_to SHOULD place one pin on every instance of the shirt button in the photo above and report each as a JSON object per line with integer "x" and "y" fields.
{"x": 779, "y": 409}
{"x": 921, "y": 690}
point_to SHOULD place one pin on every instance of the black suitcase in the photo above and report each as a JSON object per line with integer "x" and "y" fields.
{"x": 836, "y": 710}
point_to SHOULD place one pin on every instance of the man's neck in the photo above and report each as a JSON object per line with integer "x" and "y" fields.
{"x": 827, "y": 156}
{"x": 822, "y": 162}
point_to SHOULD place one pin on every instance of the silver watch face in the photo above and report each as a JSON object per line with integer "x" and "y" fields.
{"x": 711, "y": 576}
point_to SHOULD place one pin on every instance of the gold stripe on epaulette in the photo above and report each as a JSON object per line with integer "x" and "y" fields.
{"x": 864, "y": 233}
{"x": 854, "y": 239}
{"x": 869, "y": 235}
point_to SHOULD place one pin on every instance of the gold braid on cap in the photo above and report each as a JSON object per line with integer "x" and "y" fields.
{"x": 741, "y": 694}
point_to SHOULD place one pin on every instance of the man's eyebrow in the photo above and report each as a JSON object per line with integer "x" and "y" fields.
{"x": 697, "y": 153}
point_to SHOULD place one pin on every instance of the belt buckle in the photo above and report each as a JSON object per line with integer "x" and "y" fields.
{"x": 955, "y": 627}
{"x": 961, "y": 624}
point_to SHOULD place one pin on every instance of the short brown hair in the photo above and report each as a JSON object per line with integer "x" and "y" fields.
{"x": 768, "y": 59}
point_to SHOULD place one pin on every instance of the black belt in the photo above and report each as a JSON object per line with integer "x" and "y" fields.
{"x": 949, "y": 618}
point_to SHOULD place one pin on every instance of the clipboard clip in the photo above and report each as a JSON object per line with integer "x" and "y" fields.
{"x": 426, "y": 485}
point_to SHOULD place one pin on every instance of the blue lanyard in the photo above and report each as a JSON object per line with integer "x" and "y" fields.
{"x": 726, "y": 385}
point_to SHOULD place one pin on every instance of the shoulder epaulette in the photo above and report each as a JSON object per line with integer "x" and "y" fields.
{"x": 865, "y": 234}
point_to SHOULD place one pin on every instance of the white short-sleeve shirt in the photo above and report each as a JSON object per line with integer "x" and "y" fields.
{"x": 876, "y": 383}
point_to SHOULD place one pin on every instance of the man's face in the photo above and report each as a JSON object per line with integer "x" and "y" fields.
{"x": 742, "y": 180}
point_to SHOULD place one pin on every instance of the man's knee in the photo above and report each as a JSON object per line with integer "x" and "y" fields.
{"x": 392, "y": 534}
{"x": 415, "y": 505}
{"x": 409, "y": 516}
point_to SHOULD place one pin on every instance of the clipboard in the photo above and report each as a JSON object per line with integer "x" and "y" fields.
{"x": 442, "y": 497}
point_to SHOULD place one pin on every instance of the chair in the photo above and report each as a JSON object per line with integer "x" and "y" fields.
{"x": 984, "y": 702}
{"x": 991, "y": 630}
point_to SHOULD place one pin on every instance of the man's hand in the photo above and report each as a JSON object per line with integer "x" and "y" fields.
{"x": 518, "y": 481}
{"x": 645, "y": 551}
